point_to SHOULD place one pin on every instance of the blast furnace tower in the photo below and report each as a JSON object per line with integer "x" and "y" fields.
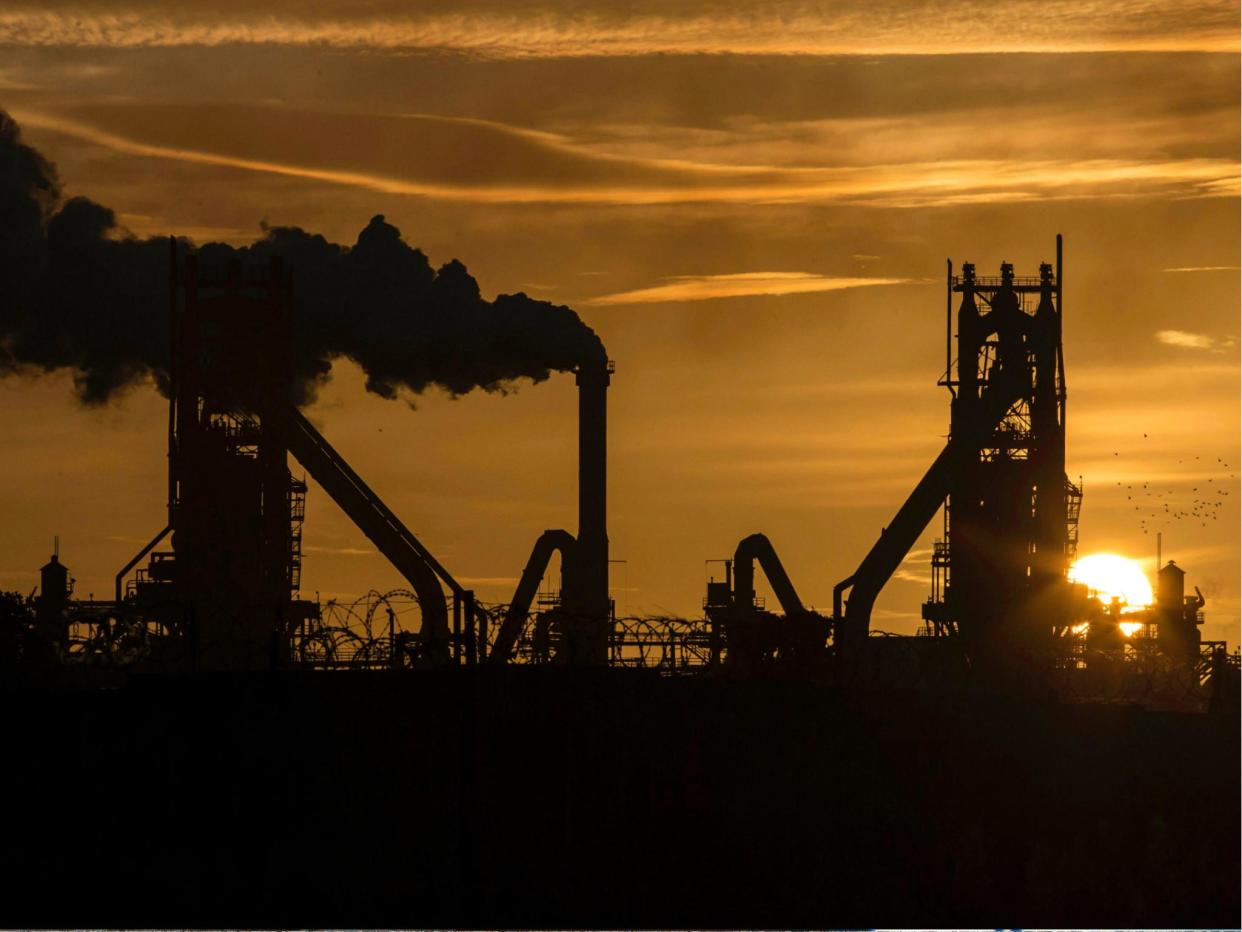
{"x": 1011, "y": 513}
{"x": 227, "y": 586}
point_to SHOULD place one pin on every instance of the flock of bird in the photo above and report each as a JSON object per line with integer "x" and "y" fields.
{"x": 1160, "y": 507}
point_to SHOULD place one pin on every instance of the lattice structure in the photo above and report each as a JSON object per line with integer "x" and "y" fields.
{"x": 297, "y": 516}
{"x": 1073, "y": 507}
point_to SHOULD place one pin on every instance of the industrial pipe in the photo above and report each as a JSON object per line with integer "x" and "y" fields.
{"x": 758, "y": 547}
{"x": 586, "y": 600}
{"x": 120, "y": 577}
{"x": 895, "y": 541}
{"x": 511, "y": 628}
{"x": 590, "y": 576}
{"x": 371, "y": 516}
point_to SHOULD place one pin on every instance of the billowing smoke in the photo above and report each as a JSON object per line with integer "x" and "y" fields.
{"x": 78, "y": 292}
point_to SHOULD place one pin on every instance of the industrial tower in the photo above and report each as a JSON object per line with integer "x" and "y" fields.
{"x": 1011, "y": 514}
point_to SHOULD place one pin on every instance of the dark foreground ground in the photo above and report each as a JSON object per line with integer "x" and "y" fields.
{"x": 538, "y": 797}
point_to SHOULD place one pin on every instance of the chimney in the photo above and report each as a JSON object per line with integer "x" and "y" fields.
{"x": 591, "y": 586}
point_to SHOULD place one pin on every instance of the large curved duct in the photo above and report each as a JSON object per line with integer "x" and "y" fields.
{"x": 523, "y": 597}
{"x": 882, "y": 560}
{"x": 758, "y": 547}
{"x": 403, "y": 550}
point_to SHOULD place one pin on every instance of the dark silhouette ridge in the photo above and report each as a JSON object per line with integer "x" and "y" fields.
{"x": 79, "y": 292}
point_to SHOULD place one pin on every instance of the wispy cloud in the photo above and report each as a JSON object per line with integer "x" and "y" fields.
{"x": 742, "y": 284}
{"x": 916, "y": 567}
{"x": 8, "y": 83}
{"x": 774, "y": 28}
{"x": 1111, "y": 383}
{"x": 1197, "y": 341}
{"x": 149, "y": 225}
{"x": 1205, "y": 268}
{"x": 488, "y": 581}
{"x": 552, "y": 169}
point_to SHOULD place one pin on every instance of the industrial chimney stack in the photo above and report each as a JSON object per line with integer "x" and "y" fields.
{"x": 588, "y": 598}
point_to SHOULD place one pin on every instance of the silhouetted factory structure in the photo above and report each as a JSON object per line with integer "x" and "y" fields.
{"x": 219, "y": 586}
{"x": 210, "y": 738}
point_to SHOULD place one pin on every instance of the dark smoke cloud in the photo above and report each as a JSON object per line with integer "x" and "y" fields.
{"x": 78, "y": 292}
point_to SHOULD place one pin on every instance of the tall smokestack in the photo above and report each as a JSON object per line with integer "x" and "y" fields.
{"x": 591, "y": 586}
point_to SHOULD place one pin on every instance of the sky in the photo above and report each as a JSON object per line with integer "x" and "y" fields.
{"x": 752, "y": 203}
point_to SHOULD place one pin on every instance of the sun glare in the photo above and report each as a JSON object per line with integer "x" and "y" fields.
{"x": 1108, "y": 576}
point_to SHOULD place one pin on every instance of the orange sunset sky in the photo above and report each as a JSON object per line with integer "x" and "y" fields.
{"x": 751, "y": 202}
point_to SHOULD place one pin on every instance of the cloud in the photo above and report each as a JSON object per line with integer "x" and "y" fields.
{"x": 489, "y": 581}
{"x": 420, "y": 155}
{"x": 1198, "y": 341}
{"x": 1113, "y": 382}
{"x": 741, "y": 284}
{"x": 788, "y": 28}
{"x": 8, "y": 83}
{"x": 916, "y": 566}
{"x": 149, "y": 225}
{"x": 1204, "y": 268}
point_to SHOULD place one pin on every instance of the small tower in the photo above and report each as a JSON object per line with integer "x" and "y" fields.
{"x": 1177, "y": 615}
{"x": 55, "y": 587}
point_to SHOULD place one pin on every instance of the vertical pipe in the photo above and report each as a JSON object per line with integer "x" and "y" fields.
{"x": 948, "y": 326}
{"x": 1060, "y": 319}
{"x": 482, "y": 635}
{"x": 273, "y": 384}
{"x": 1059, "y": 279}
{"x": 172, "y": 376}
{"x": 187, "y": 367}
{"x": 456, "y": 627}
{"x": 591, "y": 563}
{"x": 472, "y": 646}
{"x": 186, "y": 520}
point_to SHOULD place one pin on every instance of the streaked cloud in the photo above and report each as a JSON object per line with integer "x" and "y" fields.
{"x": 126, "y": 539}
{"x": 9, "y": 83}
{"x": 1113, "y": 384}
{"x": 741, "y": 284}
{"x": 492, "y": 581}
{"x": 1204, "y": 268}
{"x": 419, "y": 155}
{"x": 916, "y": 567}
{"x": 567, "y": 30}
{"x": 1032, "y": 131}
{"x": 149, "y": 225}
{"x": 1198, "y": 341}
{"x": 341, "y": 551}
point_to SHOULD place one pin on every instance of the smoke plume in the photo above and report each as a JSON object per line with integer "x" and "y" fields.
{"x": 79, "y": 292}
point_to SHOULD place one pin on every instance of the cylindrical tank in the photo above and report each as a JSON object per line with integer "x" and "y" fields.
{"x": 1177, "y": 634}
{"x": 1171, "y": 587}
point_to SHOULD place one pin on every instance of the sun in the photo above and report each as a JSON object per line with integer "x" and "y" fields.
{"x": 1108, "y": 576}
